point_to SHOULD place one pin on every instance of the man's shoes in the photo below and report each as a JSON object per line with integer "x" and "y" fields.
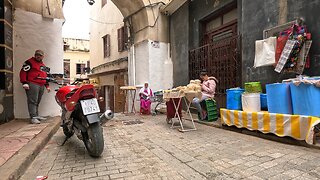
{"x": 40, "y": 118}
{"x": 35, "y": 121}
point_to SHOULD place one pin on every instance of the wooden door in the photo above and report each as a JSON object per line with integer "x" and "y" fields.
{"x": 119, "y": 103}
{"x": 111, "y": 97}
{"x": 101, "y": 93}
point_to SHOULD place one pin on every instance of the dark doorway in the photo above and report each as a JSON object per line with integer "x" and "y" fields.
{"x": 219, "y": 53}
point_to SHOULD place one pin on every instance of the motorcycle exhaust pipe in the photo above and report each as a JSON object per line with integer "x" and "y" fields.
{"x": 106, "y": 116}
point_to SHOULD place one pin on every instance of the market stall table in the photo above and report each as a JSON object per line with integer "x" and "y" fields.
{"x": 187, "y": 98}
{"x": 132, "y": 90}
{"x": 296, "y": 126}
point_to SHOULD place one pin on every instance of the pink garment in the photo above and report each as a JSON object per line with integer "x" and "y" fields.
{"x": 209, "y": 87}
{"x": 145, "y": 102}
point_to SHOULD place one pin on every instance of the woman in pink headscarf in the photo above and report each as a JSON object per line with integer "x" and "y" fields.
{"x": 145, "y": 102}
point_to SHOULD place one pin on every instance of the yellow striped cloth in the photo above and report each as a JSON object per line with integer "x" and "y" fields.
{"x": 296, "y": 126}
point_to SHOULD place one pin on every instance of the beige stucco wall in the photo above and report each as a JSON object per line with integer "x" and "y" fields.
{"x": 78, "y": 53}
{"x": 76, "y": 57}
{"x": 147, "y": 22}
{"x": 106, "y": 20}
{"x": 46, "y": 8}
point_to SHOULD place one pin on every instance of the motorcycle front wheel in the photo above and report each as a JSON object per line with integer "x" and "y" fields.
{"x": 93, "y": 139}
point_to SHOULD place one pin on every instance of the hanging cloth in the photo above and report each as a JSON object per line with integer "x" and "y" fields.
{"x": 265, "y": 52}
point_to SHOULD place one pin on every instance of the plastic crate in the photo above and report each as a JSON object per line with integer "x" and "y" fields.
{"x": 212, "y": 113}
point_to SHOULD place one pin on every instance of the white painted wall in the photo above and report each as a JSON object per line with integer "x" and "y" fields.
{"x": 152, "y": 64}
{"x": 149, "y": 61}
{"x": 31, "y": 32}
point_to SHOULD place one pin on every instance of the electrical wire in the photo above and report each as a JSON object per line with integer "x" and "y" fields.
{"x": 104, "y": 22}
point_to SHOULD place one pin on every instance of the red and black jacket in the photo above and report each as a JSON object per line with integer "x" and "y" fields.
{"x": 32, "y": 71}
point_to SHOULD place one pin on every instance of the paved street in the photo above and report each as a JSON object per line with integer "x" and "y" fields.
{"x": 152, "y": 150}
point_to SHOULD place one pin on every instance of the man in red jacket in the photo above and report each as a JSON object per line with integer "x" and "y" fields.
{"x": 32, "y": 77}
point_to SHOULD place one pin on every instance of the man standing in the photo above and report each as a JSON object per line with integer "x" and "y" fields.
{"x": 32, "y": 77}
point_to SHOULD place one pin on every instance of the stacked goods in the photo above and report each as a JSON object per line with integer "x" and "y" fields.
{"x": 194, "y": 86}
{"x": 250, "y": 100}
{"x": 128, "y": 88}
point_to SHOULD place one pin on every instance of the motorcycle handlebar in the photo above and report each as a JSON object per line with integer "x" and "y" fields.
{"x": 49, "y": 79}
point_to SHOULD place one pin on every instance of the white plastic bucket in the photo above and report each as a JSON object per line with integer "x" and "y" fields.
{"x": 251, "y": 102}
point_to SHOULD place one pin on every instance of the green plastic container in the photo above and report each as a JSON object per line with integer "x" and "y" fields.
{"x": 211, "y": 108}
{"x": 212, "y": 112}
{"x": 253, "y": 87}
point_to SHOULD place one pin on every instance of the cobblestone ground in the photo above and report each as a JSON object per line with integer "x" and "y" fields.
{"x": 152, "y": 150}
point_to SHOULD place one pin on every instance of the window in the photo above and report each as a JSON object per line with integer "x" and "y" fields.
{"x": 88, "y": 64}
{"x": 80, "y": 68}
{"x": 106, "y": 45}
{"x": 103, "y": 2}
{"x": 66, "y": 66}
{"x": 122, "y": 39}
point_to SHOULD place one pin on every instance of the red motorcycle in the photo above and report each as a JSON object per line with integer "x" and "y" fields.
{"x": 81, "y": 114}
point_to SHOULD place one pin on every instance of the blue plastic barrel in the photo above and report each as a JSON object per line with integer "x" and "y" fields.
{"x": 263, "y": 101}
{"x": 305, "y": 99}
{"x": 234, "y": 98}
{"x": 279, "y": 98}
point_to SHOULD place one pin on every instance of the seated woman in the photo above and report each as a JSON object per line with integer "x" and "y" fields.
{"x": 145, "y": 102}
{"x": 208, "y": 88}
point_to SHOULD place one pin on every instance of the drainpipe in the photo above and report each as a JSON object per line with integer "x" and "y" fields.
{"x": 134, "y": 65}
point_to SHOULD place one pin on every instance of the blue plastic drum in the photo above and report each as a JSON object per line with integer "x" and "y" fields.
{"x": 305, "y": 99}
{"x": 264, "y": 101}
{"x": 279, "y": 98}
{"x": 234, "y": 98}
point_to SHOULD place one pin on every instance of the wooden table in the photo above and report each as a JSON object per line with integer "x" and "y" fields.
{"x": 183, "y": 97}
{"x": 132, "y": 90}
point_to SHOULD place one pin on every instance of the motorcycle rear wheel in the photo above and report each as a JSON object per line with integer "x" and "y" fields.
{"x": 93, "y": 140}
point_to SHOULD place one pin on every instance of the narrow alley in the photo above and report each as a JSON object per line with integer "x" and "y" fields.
{"x": 152, "y": 150}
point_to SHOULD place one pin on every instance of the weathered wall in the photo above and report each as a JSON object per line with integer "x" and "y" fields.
{"x": 309, "y": 10}
{"x": 145, "y": 19}
{"x": 185, "y": 33}
{"x": 259, "y": 15}
{"x": 198, "y": 11}
{"x": 256, "y": 16}
{"x": 31, "y": 32}
{"x": 179, "y": 36}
